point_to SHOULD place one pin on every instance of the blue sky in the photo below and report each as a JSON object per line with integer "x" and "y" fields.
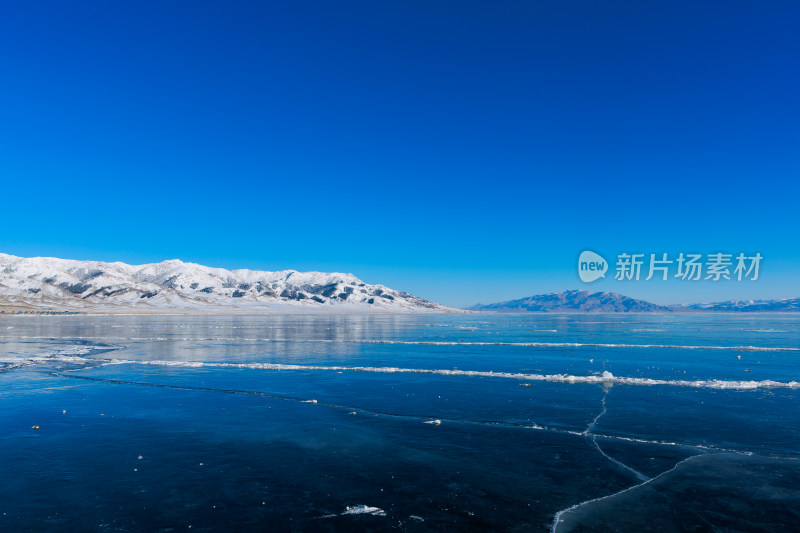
{"x": 463, "y": 151}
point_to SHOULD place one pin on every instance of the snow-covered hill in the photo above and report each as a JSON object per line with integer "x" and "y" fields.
{"x": 46, "y": 283}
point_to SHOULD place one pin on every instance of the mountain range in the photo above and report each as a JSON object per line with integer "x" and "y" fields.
{"x": 574, "y": 301}
{"x": 579, "y": 301}
{"x": 44, "y": 284}
{"x": 787, "y": 305}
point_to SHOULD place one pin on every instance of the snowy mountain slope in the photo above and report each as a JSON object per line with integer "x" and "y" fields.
{"x": 46, "y": 283}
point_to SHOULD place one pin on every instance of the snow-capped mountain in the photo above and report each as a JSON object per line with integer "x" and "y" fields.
{"x": 611, "y": 302}
{"x": 574, "y": 302}
{"x": 46, "y": 283}
{"x": 787, "y": 305}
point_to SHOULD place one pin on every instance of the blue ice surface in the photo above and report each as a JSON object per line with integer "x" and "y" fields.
{"x": 289, "y": 421}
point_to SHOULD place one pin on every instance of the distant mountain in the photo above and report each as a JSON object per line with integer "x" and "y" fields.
{"x": 575, "y": 302}
{"x": 746, "y": 306}
{"x": 609, "y": 302}
{"x": 50, "y": 284}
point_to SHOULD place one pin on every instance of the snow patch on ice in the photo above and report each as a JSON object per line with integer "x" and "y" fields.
{"x": 605, "y": 378}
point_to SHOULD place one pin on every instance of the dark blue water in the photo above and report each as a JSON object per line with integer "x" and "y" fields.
{"x": 415, "y": 423}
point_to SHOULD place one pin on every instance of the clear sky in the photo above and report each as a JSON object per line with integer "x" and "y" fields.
{"x": 463, "y": 151}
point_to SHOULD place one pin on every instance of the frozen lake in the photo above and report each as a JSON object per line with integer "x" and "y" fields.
{"x": 409, "y": 422}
